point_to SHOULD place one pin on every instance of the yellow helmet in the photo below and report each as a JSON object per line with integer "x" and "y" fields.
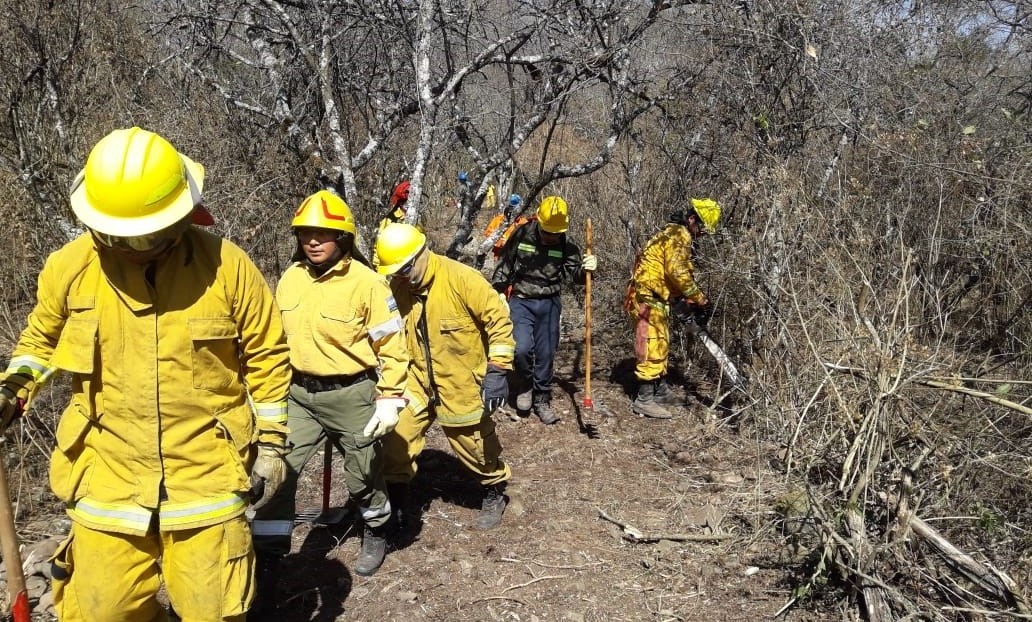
{"x": 135, "y": 183}
{"x": 396, "y": 245}
{"x": 324, "y": 210}
{"x": 552, "y": 215}
{"x": 709, "y": 214}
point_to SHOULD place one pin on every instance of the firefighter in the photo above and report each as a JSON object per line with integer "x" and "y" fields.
{"x": 662, "y": 275}
{"x": 179, "y": 375}
{"x": 461, "y": 348}
{"x": 530, "y": 271}
{"x": 396, "y": 205}
{"x": 349, "y": 365}
{"x": 503, "y": 216}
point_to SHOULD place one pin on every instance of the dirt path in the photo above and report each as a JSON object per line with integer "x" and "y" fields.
{"x": 554, "y": 558}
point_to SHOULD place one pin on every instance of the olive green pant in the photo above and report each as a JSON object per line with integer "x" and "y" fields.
{"x": 341, "y": 414}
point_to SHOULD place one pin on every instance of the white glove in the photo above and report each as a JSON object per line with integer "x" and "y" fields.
{"x": 385, "y": 417}
{"x": 589, "y": 263}
{"x": 267, "y": 474}
{"x": 504, "y": 299}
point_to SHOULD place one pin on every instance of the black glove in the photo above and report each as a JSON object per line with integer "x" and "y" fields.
{"x": 688, "y": 312}
{"x": 495, "y": 388}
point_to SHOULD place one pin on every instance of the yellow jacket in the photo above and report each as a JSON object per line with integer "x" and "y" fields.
{"x": 467, "y": 325}
{"x": 664, "y": 270}
{"x": 173, "y": 383}
{"x": 343, "y": 323}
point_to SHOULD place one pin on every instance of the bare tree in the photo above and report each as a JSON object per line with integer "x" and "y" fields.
{"x": 342, "y": 81}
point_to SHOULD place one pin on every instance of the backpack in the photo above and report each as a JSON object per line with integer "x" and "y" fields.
{"x": 499, "y": 244}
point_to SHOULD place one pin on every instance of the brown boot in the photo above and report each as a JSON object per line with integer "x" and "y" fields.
{"x": 665, "y": 395}
{"x": 403, "y": 518}
{"x": 374, "y": 549}
{"x": 492, "y": 507}
{"x": 543, "y": 409}
{"x": 646, "y": 405}
{"x": 266, "y": 591}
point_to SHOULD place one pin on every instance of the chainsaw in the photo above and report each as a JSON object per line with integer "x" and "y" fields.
{"x": 695, "y": 320}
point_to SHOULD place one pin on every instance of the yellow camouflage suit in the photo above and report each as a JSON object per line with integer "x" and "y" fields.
{"x": 178, "y": 370}
{"x": 467, "y": 325}
{"x": 662, "y": 273}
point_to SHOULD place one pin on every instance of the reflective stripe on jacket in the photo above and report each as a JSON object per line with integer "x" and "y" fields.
{"x": 664, "y": 271}
{"x": 342, "y": 323}
{"x": 467, "y": 325}
{"x": 160, "y": 418}
{"x": 534, "y": 269}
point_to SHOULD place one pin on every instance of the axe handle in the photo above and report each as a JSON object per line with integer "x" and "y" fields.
{"x": 12, "y": 556}
{"x": 327, "y": 473}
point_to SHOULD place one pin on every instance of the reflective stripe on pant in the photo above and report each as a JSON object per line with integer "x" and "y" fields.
{"x": 476, "y": 446}
{"x": 535, "y": 327}
{"x": 208, "y": 573}
{"x": 651, "y": 342}
{"x": 344, "y": 414}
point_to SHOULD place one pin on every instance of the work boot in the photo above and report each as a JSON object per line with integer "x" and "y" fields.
{"x": 543, "y": 409}
{"x": 646, "y": 405}
{"x": 524, "y": 400}
{"x": 665, "y": 395}
{"x": 374, "y": 548}
{"x": 492, "y": 507}
{"x": 402, "y": 519}
{"x": 266, "y": 589}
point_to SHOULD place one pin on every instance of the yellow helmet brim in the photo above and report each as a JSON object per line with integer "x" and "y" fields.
{"x": 177, "y": 206}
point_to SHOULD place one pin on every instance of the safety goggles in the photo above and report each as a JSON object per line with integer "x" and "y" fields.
{"x": 143, "y": 243}
{"x": 407, "y": 268}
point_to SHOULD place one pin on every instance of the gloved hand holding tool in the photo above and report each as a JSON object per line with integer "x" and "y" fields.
{"x": 495, "y": 388}
{"x": 695, "y": 316}
{"x": 589, "y": 262}
{"x": 267, "y": 474}
{"x": 13, "y": 391}
{"x": 692, "y": 312}
{"x": 385, "y": 418}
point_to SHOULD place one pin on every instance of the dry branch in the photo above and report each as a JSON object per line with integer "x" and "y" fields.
{"x": 981, "y": 394}
{"x": 633, "y": 534}
{"x": 994, "y": 581}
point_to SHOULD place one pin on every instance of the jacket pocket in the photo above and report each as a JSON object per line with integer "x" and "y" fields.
{"x": 290, "y": 311}
{"x": 61, "y": 566}
{"x": 76, "y": 347}
{"x": 234, "y": 433}
{"x": 455, "y": 333}
{"x": 216, "y": 360}
{"x": 71, "y": 462}
{"x": 339, "y": 326}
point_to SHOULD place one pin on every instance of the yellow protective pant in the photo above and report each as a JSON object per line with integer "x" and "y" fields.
{"x": 476, "y": 446}
{"x": 651, "y": 341}
{"x": 111, "y": 577}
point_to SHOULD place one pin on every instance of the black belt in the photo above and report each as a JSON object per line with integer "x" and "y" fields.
{"x": 314, "y": 384}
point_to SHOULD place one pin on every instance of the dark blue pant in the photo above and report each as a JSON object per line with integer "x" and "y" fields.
{"x": 535, "y": 327}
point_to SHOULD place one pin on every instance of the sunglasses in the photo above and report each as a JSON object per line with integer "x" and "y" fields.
{"x": 406, "y": 269}
{"x": 143, "y": 243}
